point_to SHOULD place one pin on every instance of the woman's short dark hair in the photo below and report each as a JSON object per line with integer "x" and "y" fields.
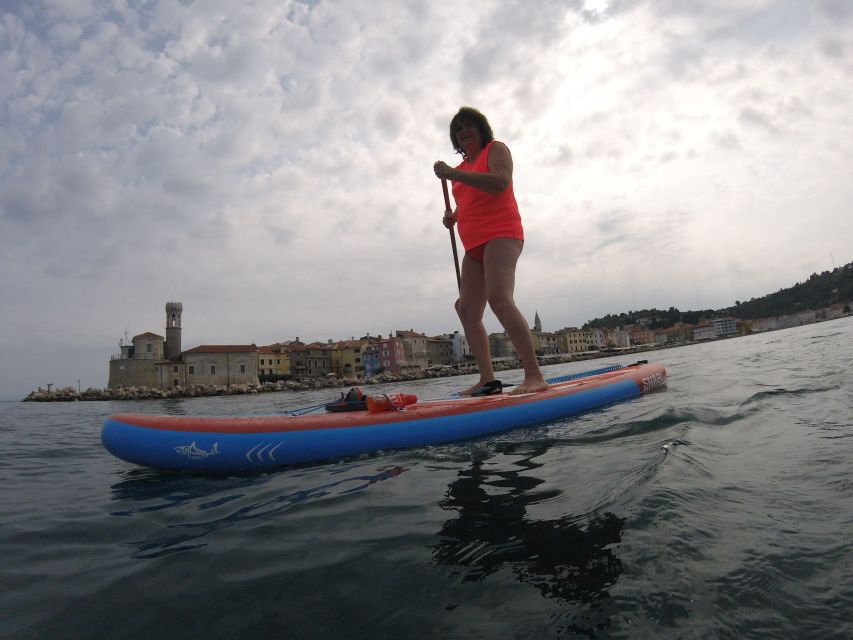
{"x": 472, "y": 115}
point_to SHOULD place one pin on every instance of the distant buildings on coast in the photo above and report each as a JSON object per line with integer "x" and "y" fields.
{"x": 151, "y": 360}
{"x": 154, "y": 361}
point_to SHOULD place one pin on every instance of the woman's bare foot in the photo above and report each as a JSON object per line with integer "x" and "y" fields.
{"x": 470, "y": 390}
{"x": 532, "y": 385}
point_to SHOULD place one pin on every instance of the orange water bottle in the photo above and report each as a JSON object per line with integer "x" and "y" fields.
{"x": 390, "y": 402}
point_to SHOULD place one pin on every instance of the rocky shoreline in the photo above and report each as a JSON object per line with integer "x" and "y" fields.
{"x": 70, "y": 394}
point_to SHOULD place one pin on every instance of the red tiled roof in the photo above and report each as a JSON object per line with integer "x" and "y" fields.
{"x": 148, "y": 334}
{"x": 349, "y": 344}
{"x": 315, "y": 345}
{"x": 224, "y": 348}
{"x": 278, "y": 347}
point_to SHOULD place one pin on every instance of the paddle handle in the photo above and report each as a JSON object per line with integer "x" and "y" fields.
{"x": 452, "y": 235}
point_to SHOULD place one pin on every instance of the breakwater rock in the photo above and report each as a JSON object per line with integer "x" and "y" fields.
{"x": 70, "y": 394}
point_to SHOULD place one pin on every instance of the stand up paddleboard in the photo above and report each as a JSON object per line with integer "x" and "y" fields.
{"x": 222, "y": 444}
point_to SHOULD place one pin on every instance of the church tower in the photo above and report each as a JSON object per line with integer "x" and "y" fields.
{"x": 537, "y": 324}
{"x": 173, "y": 330}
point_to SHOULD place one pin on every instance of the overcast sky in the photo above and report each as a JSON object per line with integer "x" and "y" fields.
{"x": 269, "y": 163}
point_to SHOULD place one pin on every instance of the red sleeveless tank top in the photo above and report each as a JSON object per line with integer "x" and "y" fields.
{"x": 485, "y": 216}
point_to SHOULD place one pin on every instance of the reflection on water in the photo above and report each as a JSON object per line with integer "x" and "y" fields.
{"x": 230, "y": 500}
{"x": 564, "y": 559}
{"x": 175, "y": 407}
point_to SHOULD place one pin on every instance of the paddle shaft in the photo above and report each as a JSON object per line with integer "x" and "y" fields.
{"x": 452, "y": 235}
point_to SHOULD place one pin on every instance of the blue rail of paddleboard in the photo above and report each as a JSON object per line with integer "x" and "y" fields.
{"x": 204, "y": 451}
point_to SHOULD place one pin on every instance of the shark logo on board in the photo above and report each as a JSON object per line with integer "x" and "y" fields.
{"x": 194, "y": 452}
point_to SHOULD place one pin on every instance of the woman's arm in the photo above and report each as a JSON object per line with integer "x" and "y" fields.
{"x": 496, "y": 180}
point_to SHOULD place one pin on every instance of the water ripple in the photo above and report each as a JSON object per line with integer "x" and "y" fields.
{"x": 201, "y": 494}
{"x": 718, "y": 508}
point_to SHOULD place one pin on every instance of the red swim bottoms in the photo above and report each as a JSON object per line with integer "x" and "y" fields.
{"x": 477, "y": 253}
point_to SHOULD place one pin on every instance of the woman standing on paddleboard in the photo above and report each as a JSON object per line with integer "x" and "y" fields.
{"x": 491, "y": 232}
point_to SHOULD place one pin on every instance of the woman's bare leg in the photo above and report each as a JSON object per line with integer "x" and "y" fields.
{"x": 499, "y": 262}
{"x": 470, "y": 307}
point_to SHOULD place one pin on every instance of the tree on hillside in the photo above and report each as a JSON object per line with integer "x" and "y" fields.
{"x": 817, "y": 292}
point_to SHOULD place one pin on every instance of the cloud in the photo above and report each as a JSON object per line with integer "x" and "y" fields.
{"x": 268, "y": 163}
{"x": 837, "y": 10}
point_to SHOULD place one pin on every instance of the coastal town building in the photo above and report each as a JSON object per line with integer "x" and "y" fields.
{"x": 310, "y": 360}
{"x": 266, "y": 361}
{"x": 641, "y": 336}
{"x": 391, "y": 354}
{"x": 347, "y": 358}
{"x": 371, "y": 359}
{"x": 726, "y": 326}
{"x": 439, "y": 351}
{"x": 170, "y": 373}
{"x": 281, "y": 359}
{"x": 129, "y": 369}
{"x": 618, "y": 339}
{"x": 216, "y": 365}
{"x": 574, "y": 340}
{"x": 461, "y": 348}
{"x": 274, "y": 360}
{"x": 284, "y": 360}
{"x": 174, "y": 310}
{"x": 283, "y": 365}
{"x": 500, "y": 346}
{"x": 154, "y": 362}
{"x": 545, "y": 342}
{"x": 679, "y": 333}
{"x": 704, "y": 331}
{"x": 148, "y": 346}
{"x": 415, "y": 354}
{"x": 141, "y": 363}
{"x": 797, "y": 319}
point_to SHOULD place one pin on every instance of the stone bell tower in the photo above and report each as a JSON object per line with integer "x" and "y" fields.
{"x": 173, "y": 330}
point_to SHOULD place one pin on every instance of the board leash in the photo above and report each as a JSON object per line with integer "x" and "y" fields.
{"x": 585, "y": 374}
{"x": 301, "y": 411}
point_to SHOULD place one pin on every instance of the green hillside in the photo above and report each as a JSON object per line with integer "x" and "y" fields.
{"x": 819, "y": 291}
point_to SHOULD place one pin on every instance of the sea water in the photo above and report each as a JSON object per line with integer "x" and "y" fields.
{"x": 718, "y": 507}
